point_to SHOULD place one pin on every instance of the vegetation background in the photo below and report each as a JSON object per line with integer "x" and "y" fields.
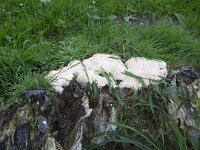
{"x": 36, "y": 37}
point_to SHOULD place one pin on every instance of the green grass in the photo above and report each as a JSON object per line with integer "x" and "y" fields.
{"x": 27, "y": 82}
{"x": 36, "y": 38}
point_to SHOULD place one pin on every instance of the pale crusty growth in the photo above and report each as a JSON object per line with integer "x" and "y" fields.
{"x": 90, "y": 70}
{"x": 148, "y": 70}
{"x": 45, "y": 1}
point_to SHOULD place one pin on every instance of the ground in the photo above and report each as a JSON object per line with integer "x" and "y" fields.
{"x": 36, "y": 37}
